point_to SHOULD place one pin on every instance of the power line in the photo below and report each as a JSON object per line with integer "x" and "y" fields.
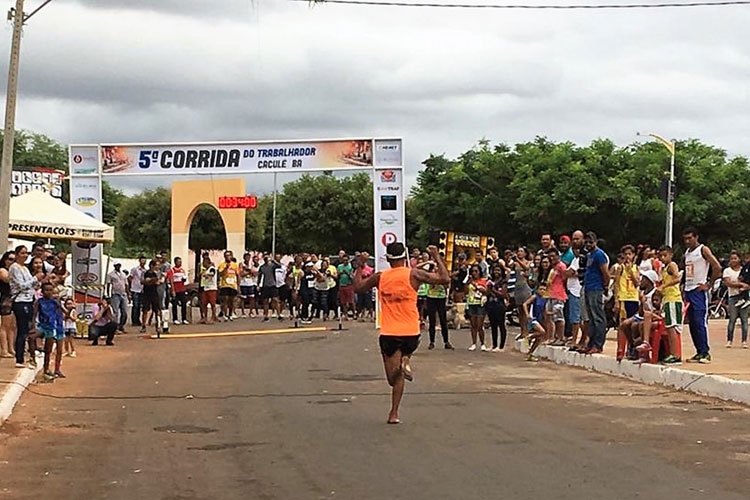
{"x": 663, "y": 5}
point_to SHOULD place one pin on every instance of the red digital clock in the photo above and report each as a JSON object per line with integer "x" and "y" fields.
{"x": 244, "y": 202}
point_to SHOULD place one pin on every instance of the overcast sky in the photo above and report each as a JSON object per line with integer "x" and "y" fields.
{"x": 195, "y": 70}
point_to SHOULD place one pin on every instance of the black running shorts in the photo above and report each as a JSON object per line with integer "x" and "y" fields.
{"x": 407, "y": 344}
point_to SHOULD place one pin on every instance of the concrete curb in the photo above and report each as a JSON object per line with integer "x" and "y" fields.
{"x": 715, "y": 386}
{"x": 8, "y": 400}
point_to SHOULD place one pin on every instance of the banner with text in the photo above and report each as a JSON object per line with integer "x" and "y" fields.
{"x": 389, "y": 212}
{"x": 248, "y": 157}
{"x": 85, "y": 195}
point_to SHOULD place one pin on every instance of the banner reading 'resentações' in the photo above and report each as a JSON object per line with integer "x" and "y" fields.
{"x": 240, "y": 158}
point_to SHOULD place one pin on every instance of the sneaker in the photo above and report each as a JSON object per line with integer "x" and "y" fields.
{"x": 431, "y": 346}
{"x": 484, "y": 348}
{"x": 31, "y": 365}
{"x": 671, "y": 360}
{"x": 532, "y": 358}
{"x": 473, "y": 347}
{"x": 449, "y": 346}
{"x": 73, "y": 354}
{"x": 20, "y": 365}
{"x": 143, "y": 329}
{"x": 705, "y": 359}
{"x": 694, "y": 359}
{"x": 49, "y": 377}
{"x": 59, "y": 374}
{"x": 744, "y": 345}
{"x": 185, "y": 322}
{"x": 495, "y": 349}
{"x": 265, "y": 319}
{"x": 729, "y": 344}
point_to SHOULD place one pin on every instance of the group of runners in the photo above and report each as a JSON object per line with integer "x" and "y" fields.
{"x": 306, "y": 286}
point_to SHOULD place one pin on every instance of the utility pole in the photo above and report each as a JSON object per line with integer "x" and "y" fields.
{"x": 6, "y": 167}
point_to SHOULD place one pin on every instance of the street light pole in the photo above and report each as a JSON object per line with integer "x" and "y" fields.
{"x": 670, "y": 200}
{"x": 670, "y": 145}
{"x": 6, "y": 165}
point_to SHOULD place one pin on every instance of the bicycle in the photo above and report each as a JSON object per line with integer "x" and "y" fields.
{"x": 718, "y": 308}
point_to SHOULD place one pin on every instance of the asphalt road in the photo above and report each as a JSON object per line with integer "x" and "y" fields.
{"x": 302, "y": 416}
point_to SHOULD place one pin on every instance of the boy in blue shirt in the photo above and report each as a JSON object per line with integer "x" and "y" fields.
{"x": 48, "y": 317}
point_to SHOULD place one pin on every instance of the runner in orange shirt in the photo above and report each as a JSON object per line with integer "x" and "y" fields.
{"x": 399, "y": 318}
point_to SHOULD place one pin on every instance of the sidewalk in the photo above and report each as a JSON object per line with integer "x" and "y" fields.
{"x": 727, "y": 377}
{"x": 13, "y": 382}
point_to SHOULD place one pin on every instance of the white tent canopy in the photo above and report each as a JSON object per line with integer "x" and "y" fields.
{"x": 39, "y": 215}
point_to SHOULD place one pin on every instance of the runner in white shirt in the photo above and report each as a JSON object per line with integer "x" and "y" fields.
{"x": 699, "y": 260}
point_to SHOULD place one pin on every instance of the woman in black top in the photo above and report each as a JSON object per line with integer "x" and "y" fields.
{"x": 497, "y": 294}
{"x": 151, "y": 303}
{"x": 7, "y": 320}
{"x": 307, "y": 292}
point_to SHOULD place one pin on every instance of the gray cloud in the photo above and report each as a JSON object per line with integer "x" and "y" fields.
{"x": 101, "y": 71}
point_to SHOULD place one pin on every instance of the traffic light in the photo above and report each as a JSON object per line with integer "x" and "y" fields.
{"x": 442, "y": 243}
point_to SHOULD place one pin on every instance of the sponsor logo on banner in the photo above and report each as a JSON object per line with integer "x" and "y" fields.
{"x": 466, "y": 240}
{"x": 389, "y": 220}
{"x": 388, "y": 238}
{"x": 85, "y": 201}
{"x": 387, "y": 176}
{"x": 388, "y": 153}
{"x": 83, "y": 160}
{"x": 87, "y": 278}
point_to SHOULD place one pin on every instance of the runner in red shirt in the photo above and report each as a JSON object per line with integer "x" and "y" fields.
{"x": 177, "y": 278}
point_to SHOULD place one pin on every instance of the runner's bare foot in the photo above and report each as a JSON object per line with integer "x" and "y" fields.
{"x": 406, "y": 370}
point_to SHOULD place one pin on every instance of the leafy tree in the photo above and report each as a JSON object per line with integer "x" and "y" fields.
{"x": 144, "y": 220}
{"x": 112, "y": 198}
{"x": 258, "y": 224}
{"x": 413, "y": 228}
{"x": 207, "y": 230}
{"x": 325, "y": 214}
{"x": 37, "y": 150}
{"x": 514, "y": 193}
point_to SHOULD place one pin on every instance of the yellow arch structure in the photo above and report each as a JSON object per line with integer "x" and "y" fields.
{"x": 187, "y": 196}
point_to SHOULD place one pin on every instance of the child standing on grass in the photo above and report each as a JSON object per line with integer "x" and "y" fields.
{"x": 69, "y": 325}
{"x": 48, "y": 316}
